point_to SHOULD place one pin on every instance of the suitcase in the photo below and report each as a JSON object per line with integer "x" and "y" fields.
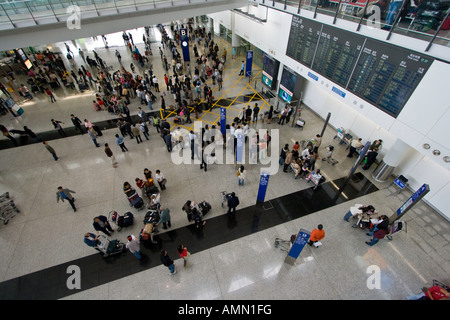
{"x": 205, "y": 207}
{"x": 128, "y": 219}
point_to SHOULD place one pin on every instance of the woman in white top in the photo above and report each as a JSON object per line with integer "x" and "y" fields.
{"x": 241, "y": 175}
{"x": 161, "y": 179}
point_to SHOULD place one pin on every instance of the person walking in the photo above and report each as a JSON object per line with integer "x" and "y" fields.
{"x": 93, "y": 136}
{"x": 184, "y": 254}
{"x": 66, "y": 194}
{"x": 241, "y": 73}
{"x": 164, "y": 217}
{"x": 233, "y": 202}
{"x": 57, "y": 125}
{"x": 165, "y": 259}
{"x": 8, "y": 135}
{"x": 51, "y": 150}
{"x": 316, "y": 235}
{"x": 50, "y": 94}
{"x": 110, "y": 154}
{"x": 77, "y": 123}
{"x": 144, "y": 128}
{"x": 134, "y": 246}
{"x": 241, "y": 175}
{"x": 31, "y": 134}
{"x": 121, "y": 143}
{"x": 101, "y": 224}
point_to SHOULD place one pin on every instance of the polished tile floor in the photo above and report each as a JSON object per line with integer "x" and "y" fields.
{"x": 231, "y": 259}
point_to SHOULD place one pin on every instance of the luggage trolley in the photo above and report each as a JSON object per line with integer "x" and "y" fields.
{"x": 109, "y": 247}
{"x": 8, "y": 208}
{"x": 284, "y": 245}
{"x": 329, "y": 156}
{"x": 397, "y": 226}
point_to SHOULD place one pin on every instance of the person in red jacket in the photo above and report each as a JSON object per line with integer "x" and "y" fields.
{"x": 316, "y": 235}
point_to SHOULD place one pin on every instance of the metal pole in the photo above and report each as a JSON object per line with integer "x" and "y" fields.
{"x": 352, "y": 171}
{"x": 299, "y": 103}
{"x": 437, "y": 31}
{"x": 299, "y": 5}
{"x": 397, "y": 16}
{"x": 325, "y": 124}
{"x": 336, "y": 13}
{"x": 362, "y": 17}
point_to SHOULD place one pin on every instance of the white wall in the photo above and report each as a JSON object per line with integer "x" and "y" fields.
{"x": 425, "y": 117}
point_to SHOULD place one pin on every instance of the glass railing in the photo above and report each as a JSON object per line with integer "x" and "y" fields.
{"x": 427, "y": 20}
{"x": 14, "y": 14}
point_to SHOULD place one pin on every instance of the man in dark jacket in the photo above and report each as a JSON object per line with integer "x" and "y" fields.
{"x": 233, "y": 202}
{"x": 165, "y": 259}
{"x": 101, "y": 224}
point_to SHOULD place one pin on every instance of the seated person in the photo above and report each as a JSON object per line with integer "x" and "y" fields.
{"x": 127, "y": 189}
{"x": 91, "y": 239}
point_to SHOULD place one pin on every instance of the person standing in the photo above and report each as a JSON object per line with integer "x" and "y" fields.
{"x": 316, "y": 235}
{"x": 371, "y": 158}
{"x": 51, "y": 150}
{"x": 92, "y": 135}
{"x": 101, "y": 224}
{"x": 168, "y": 141}
{"x": 110, "y": 154}
{"x": 355, "y": 144}
{"x": 165, "y": 217}
{"x": 255, "y": 113}
{"x": 121, "y": 143}
{"x": 77, "y": 123}
{"x": 184, "y": 254}
{"x": 136, "y": 133}
{"x": 233, "y": 202}
{"x": 165, "y": 259}
{"x": 134, "y": 246}
{"x": 50, "y": 94}
{"x": 66, "y": 194}
{"x": 241, "y": 175}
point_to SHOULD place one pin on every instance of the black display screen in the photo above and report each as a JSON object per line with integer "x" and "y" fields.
{"x": 303, "y": 40}
{"x": 383, "y": 74}
{"x": 270, "y": 71}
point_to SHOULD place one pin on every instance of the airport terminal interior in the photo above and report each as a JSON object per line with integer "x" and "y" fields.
{"x": 232, "y": 257}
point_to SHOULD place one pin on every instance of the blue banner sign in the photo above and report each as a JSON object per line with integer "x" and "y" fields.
{"x": 263, "y": 182}
{"x": 248, "y": 64}
{"x": 185, "y": 44}
{"x": 419, "y": 194}
{"x": 223, "y": 120}
{"x": 338, "y": 91}
{"x": 239, "y": 148}
{"x": 299, "y": 243}
{"x": 313, "y": 76}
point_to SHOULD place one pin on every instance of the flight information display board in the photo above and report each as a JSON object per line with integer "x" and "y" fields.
{"x": 303, "y": 40}
{"x": 336, "y": 54}
{"x": 383, "y": 74}
{"x": 387, "y": 77}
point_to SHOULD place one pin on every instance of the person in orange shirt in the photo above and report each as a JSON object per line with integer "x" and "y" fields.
{"x": 316, "y": 235}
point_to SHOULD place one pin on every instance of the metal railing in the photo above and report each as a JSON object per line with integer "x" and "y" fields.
{"x": 426, "y": 21}
{"x": 24, "y": 13}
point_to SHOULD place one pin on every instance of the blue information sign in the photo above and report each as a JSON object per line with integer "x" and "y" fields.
{"x": 263, "y": 182}
{"x": 185, "y": 44}
{"x": 248, "y": 64}
{"x": 419, "y": 194}
{"x": 299, "y": 244}
{"x": 239, "y": 147}
{"x": 223, "y": 120}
